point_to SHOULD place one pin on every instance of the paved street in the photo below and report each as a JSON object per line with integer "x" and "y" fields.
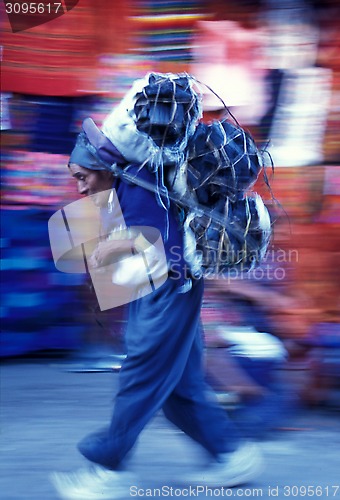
{"x": 46, "y": 409}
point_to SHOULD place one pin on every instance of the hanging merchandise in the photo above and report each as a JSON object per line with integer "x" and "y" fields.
{"x": 34, "y": 180}
{"x": 301, "y": 88}
{"x": 228, "y": 57}
{"x": 163, "y": 31}
{"x": 34, "y": 298}
{"x": 300, "y": 117}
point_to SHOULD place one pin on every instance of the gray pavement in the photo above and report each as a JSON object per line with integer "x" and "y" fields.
{"x": 46, "y": 409}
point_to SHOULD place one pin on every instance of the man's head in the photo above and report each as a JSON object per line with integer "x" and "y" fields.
{"x": 92, "y": 182}
{"x": 91, "y": 163}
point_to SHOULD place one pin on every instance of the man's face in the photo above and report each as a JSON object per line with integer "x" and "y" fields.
{"x": 95, "y": 183}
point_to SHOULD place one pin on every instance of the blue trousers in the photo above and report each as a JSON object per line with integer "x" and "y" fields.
{"x": 163, "y": 369}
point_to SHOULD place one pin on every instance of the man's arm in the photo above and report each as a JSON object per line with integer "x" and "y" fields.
{"x": 118, "y": 243}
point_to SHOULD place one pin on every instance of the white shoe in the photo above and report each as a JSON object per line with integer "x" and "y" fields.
{"x": 231, "y": 469}
{"x": 93, "y": 484}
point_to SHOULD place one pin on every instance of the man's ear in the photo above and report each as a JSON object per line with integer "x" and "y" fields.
{"x": 107, "y": 175}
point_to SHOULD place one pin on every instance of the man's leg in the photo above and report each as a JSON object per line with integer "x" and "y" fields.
{"x": 161, "y": 331}
{"x": 163, "y": 368}
{"x": 191, "y": 409}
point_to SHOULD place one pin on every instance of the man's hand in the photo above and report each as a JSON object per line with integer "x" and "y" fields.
{"x": 118, "y": 243}
{"x": 106, "y": 251}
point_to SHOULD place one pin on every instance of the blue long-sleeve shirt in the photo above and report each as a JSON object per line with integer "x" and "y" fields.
{"x": 141, "y": 207}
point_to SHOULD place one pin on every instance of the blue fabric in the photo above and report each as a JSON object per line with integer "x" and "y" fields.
{"x": 163, "y": 369}
{"x": 82, "y": 156}
{"x": 35, "y": 299}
